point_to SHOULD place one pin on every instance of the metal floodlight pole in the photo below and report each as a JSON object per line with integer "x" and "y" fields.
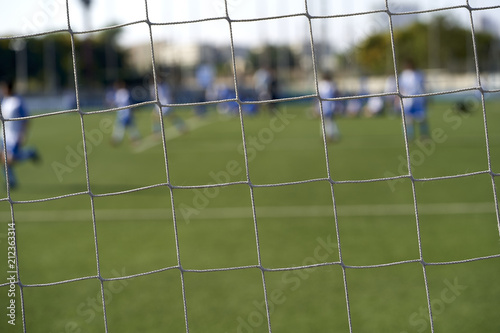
{"x": 324, "y": 35}
{"x": 87, "y": 46}
{"x": 86, "y": 18}
{"x": 21, "y": 50}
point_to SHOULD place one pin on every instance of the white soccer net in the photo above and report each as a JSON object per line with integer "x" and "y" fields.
{"x": 310, "y": 21}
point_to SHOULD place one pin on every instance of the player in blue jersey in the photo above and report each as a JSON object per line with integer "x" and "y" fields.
{"x": 12, "y": 107}
{"x": 411, "y": 83}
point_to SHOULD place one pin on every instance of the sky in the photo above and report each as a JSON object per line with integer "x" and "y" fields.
{"x": 38, "y": 16}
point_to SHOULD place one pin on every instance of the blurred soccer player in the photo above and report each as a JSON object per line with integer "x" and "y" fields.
{"x": 328, "y": 89}
{"x": 12, "y": 106}
{"x": 205, "y": 77}
{"x": 165, "y": 97}
{"x": 125, "y": 118}
{"x": 411, "y": 82}
{"x": 266, "y": 86}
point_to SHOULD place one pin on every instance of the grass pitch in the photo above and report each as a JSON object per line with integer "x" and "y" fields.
{"x": 215, "y": 228}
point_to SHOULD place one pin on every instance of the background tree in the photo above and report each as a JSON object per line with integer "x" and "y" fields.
{"x": 49, "y": 60}
{"x": 273, "y": 56}
{"x": 441, "y": 44}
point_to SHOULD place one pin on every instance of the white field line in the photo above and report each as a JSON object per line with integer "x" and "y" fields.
{"x": 83, "y": 215}
{"x": 171, "y": 133}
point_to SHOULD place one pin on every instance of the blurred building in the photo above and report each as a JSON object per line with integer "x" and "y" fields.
{"x": 181, "y": 55}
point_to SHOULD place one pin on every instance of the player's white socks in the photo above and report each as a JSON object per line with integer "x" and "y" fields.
{"x": 118, "y": 133}
{"x": 332, "y": 130}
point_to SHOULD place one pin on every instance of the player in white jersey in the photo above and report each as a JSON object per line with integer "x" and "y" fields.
{"x": 125, "y": 118}
{"x": 328, "y": 89}
{"x": 12, "y": 107}
{"x": 411, "y": 82}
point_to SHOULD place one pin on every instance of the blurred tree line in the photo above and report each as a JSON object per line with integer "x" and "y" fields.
{"x": 46, "y": 63}
{"x": 274, "y": 57}
{"x": 438, "y": 44}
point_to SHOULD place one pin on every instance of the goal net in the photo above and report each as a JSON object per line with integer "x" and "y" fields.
{"x": 263, "y": 166}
